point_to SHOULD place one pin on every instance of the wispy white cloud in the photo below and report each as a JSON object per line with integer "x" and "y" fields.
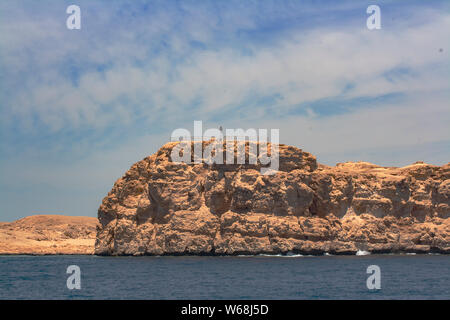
{"x": 304, "y": 67}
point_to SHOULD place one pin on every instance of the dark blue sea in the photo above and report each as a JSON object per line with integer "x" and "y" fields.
{"x": 257, "y": 277}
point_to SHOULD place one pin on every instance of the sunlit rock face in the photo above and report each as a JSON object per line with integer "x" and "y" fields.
{"x": 162, "y": 207}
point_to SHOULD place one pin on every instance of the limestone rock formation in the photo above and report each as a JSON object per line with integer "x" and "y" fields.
{"x": 48, "y": 234}
{"x": 162, "y": 207}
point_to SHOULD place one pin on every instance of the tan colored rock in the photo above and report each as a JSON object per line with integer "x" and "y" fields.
{"x": 161, "y": 207}
{"x": 48, "y": 234}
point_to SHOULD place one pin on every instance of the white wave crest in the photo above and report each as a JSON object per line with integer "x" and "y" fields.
{"x": 362, "y": 253}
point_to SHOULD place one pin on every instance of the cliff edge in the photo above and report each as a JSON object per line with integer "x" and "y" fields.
{"x": 161, "y": 207}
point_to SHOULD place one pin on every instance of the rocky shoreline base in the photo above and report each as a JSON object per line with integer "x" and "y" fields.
{"x": 63, "y": 235}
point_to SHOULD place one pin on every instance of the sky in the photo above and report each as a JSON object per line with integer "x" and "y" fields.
{"x": 79, "y": 107}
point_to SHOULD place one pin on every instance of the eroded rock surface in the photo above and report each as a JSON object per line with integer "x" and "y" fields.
{"x": 161, "y": 207}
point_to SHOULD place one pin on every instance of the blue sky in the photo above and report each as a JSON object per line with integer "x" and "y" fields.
{"x": 79, "y": 107}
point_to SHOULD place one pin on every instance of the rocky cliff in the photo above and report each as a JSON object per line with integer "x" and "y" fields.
{"x": 161, "y": 207}
{"x": 48, "y": 234}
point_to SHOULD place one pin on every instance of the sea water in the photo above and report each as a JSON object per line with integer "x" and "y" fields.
{"x": 243, "y": 277}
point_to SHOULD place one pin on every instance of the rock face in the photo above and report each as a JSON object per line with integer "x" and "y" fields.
{"x": 161, "y": 207}
{"x": 48, "y": 234}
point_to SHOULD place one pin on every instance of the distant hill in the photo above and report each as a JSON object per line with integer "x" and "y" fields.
{"x": 48, "y": 234}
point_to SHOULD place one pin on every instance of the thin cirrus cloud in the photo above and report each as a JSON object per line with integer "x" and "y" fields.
{"x": 302, "y": 67}
{"x": 113, "y": 91}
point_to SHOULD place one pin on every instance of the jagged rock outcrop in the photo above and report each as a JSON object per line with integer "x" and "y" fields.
{"x": 161, "y": 207}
